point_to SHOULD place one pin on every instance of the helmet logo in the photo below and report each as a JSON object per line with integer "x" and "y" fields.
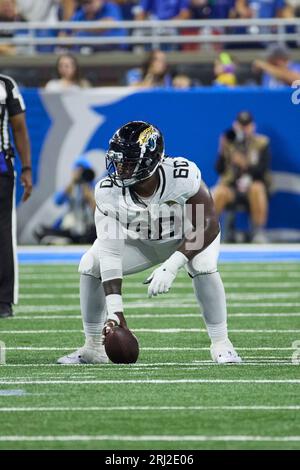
{"x": 148, "y": 138}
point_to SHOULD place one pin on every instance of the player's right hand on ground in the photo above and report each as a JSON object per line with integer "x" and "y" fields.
{"x": 110, "y": 324}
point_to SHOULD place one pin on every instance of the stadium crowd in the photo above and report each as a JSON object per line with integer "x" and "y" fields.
{"x": 49, "y": 11}
{"x": 273, "y": 69}
{"x": 80, "y": 10}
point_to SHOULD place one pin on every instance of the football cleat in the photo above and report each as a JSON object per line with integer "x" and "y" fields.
{"x": 223, "y": 352}
{"x": 85, "y": 355}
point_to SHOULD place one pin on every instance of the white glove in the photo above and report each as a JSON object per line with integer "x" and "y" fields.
{"x": 162, "y": 278}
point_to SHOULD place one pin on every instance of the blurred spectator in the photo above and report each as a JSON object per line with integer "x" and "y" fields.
{"x": 220, "y": 9}
{"x": 127, "y": 8}
{"x": 77, "y": 224}
{"x": 224, "y": 70}
{"x": 154, "y": 73}
{"x": 68, "y": 73}
{"x": 8, "y": 13}
{"x": 295, "y": 7}
{"x": 243, "y": 165}
{"x": 182, "y": 82}
{"x": 240, "y": 9}
{"x": 201, "y": 9}
{"x": 269, "y": 8}
{"x": 278, "y": 71}
{"x": 97, "y": 10}
{"x": 46, "y": 10}
{"x": 164, "y": 9}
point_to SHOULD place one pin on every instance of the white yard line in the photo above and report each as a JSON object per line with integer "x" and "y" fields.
{"x": 187, "y": 285}
{"x": 262, "y": 304}
{"x": 248, "y": 360}
{"x": 172, "y": 296}
{"x": 155, "y": 304}
{"x": 224, "y": 267}
{"x": 66, "y": 348}
{"x": 146, "y": 408}
{"x": 157, "y": 330}
{"x": 160, "y": 316}
{"x": 254, "y": 360}
{"x": 149, "y": 438}
{"x": 141, "y": 370}
{"x": 148, "y": 381}
{"x": 234, "y": 274}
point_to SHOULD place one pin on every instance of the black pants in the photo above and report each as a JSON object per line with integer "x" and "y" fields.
{"x": 7, "y": 268}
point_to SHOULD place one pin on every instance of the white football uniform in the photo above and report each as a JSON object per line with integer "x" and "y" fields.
{"x": 136, "y": 233}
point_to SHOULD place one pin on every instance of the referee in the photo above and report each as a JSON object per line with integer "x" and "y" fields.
{"x": 12, "y": 117}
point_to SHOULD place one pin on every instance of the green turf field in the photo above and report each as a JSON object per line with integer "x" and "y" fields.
{"x": 174, "y": 397}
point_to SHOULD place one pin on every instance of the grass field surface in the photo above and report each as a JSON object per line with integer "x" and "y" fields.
{"x": 174, "y": 397}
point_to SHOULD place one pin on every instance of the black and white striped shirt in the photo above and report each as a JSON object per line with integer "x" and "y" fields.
{"x": 11, "y": 104}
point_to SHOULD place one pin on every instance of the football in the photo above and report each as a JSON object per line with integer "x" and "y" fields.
{"x": 121, "y": 346}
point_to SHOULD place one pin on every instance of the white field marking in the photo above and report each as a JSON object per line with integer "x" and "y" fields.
{"x": 163, "y": 315}
{"x": 135, "y": 295}
{"x": 193, "y": 363}
{"x": 50, "y": 348}
{"x": 137, "y": 285}
{"x": 262, "y": 304}
{"x": 261, "y": 361}
{"x": 151, "y": 305}
{"x": 165, "y": 301}
{"x": 156, "y": 330}
{"x": 51, "y": 296}
{"x": 234, "y": 274}
{"x": 232, "y": 296}
{"x": 145, "y": 370}
{"x": 262, "y": 274}
{"x": 140, "y": 289}
{"x": 149, "y": 438}
{"x": 43, "y": 285}
{"x": 225, "y": 265}
{"x": 149, "y": 381}
{"x": 148, "y": 408}
{"x": 228, "y": 285}
{"x": 50, "y": 276}
{"x": 246, "y": 360}
{"x": 30, "y": 268}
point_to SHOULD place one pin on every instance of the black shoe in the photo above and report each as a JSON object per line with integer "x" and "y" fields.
{"x": 5, "y": 310}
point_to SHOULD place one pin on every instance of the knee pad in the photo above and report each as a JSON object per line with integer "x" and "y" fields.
{"x": 90, "y": 264}
{"x": 205, "y": 262}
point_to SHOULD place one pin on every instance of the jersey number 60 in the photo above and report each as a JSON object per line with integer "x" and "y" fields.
{"x": 179, "y": 171}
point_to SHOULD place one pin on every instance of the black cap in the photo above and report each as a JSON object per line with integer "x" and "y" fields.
{"x": 244, "y": 118}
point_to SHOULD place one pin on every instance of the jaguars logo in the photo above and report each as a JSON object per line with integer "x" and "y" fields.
{"x": 148, "y": 138}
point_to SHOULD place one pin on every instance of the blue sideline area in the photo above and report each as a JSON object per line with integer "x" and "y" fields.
{"x": 229, "y": 254}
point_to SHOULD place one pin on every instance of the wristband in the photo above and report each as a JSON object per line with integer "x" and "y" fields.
{"x": 176, "y": 261}
{"x": 114, "y": 304}
{"x": 25, "y": 168}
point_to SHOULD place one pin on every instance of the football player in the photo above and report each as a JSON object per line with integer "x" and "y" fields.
{"x": 151, "y": 209}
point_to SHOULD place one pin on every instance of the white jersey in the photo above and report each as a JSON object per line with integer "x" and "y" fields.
{"x": 155, "y": 219}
